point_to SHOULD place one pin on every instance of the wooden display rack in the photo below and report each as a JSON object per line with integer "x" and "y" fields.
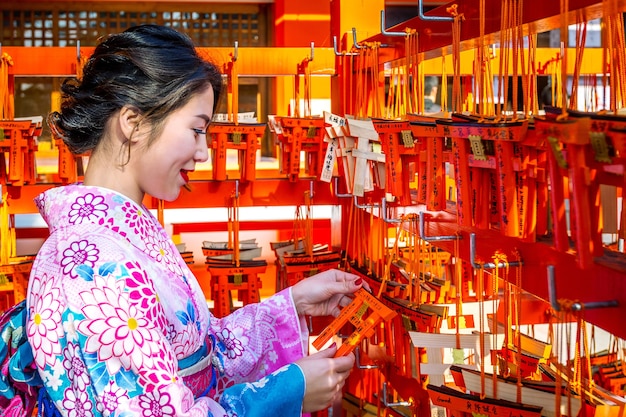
{"x": 20, "y": 144}
{"x": 245, "y": 138}
{"x": 245, "y": 279}
{"x": 300, "y": 267}
{"x": 301, "y": 134}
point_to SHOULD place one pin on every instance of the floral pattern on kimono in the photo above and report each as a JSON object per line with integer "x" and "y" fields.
{"x": 120, "y": 327}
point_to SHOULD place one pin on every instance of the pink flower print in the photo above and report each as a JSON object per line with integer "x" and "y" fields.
{"x": 117, "y": 329}
{"x": 157, "y": 248}
{"x": 162, "y": 373}
{"x": 87, "y": 208}
{"x": 79, "y": 253}
{"x": 135, "y": 218}
{"x": 156, "y": 404}
{"x": 186, "y": 341}
{"x": 142, "y": 293}
{"x": 44, "y": 327}
{"x": 77, "y": 403}
{"x": 112, "y": 397}
{"x": 233, "y": 345}
{"x": 75, "y": 367}
{"x": 160, "y": 249}
{"x": 110, "y": 224}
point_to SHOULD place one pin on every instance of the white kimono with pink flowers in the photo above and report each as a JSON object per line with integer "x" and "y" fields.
{"x": 120, "y": 327}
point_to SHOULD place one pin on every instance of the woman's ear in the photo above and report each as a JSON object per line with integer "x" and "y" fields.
{"x": 129, "y": 120}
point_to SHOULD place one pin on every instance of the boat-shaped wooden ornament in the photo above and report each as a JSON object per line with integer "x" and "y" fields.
{"x": 507, "y": 390}
{"x": 458, "y": 401}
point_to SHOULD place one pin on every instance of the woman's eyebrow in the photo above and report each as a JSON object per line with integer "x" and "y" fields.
{"x": 204, "y": 117}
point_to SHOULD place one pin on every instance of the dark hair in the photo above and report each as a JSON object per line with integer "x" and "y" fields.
{"x": 153, "y": 68}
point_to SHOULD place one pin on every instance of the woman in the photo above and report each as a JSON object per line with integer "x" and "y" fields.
{"x": 117, "y": 322}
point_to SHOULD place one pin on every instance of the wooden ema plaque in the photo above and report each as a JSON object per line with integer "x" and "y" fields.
{"x": 400, "y": 149}
{"x": 414, "y": 317}
{"x": 491, "y": 146}
{"x": 245, "y": 138}
{"x": 570, "y": 145}
{"x": 302, "y": 134}
{"x": 365, "y": 312}
{"x": 431, "y": 166}
{"x": 20, "y": 144}
{"x": 456, "y": 401}
{"x": 590, "y": 151}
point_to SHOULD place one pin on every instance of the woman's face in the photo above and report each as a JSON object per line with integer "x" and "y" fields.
{"x": 162, "y": 168}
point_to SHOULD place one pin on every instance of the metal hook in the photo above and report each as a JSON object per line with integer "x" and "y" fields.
{"x": 396, "y": 404}
{"x": 236, "y": 53}
{"x": 577, "y": 306}
{"x": 432, "y": 238}
{"x": 354, "y": 42}
{"x": 420, "y": 11}
{"x": 78, "y": 50}
{"x": 340, "y": 53}
{"x": 337, "y": 53}
{"x": 312, "y": 51}
{"x": 384, "y": 213}
{"x": 336, "y": 180}
{"x": 357, "y": 359}
{"x": 364, "y": 206}
{"x": 487, "y": 265}
{"x": 236, "y": 188}
{"x": 382, "y": 27}
{"x": 311, "y": 192}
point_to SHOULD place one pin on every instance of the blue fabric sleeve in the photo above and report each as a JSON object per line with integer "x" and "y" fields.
{"x": 277, "y": 394}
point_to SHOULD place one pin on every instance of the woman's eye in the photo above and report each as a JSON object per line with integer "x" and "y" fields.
{"x": 198, "y": 131}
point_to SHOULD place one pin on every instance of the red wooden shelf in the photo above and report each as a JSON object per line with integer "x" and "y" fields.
{"x": 435, "y": 35}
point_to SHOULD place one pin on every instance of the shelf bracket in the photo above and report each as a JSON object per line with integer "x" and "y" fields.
{"x": 337, "y": 194}
{"x": 420, "y": 10}
{"x": 392, "y": 404}
{"x": 364, "y": 206}
{"x": 354, "y": 41}
{"x": 432, "y": 238}
{"x": 337, "y": 53}
{"x": 575, "y": 306}
{"x": 487, "y": 265}
{"x": 384, "y": 31}
{"x": 384, "y": 213}
{"x": 357, "y": 359}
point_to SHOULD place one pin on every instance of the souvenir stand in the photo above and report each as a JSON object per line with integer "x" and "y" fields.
{"x": 471, "y": 226}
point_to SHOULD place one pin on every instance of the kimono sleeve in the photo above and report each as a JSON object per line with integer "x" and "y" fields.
{"x": 258, "y": 339}
{"x": 278, "y": 394}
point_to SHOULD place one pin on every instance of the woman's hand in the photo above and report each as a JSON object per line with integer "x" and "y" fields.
{"x": 325, "y": 377}
{"x": 324, "y": 294}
